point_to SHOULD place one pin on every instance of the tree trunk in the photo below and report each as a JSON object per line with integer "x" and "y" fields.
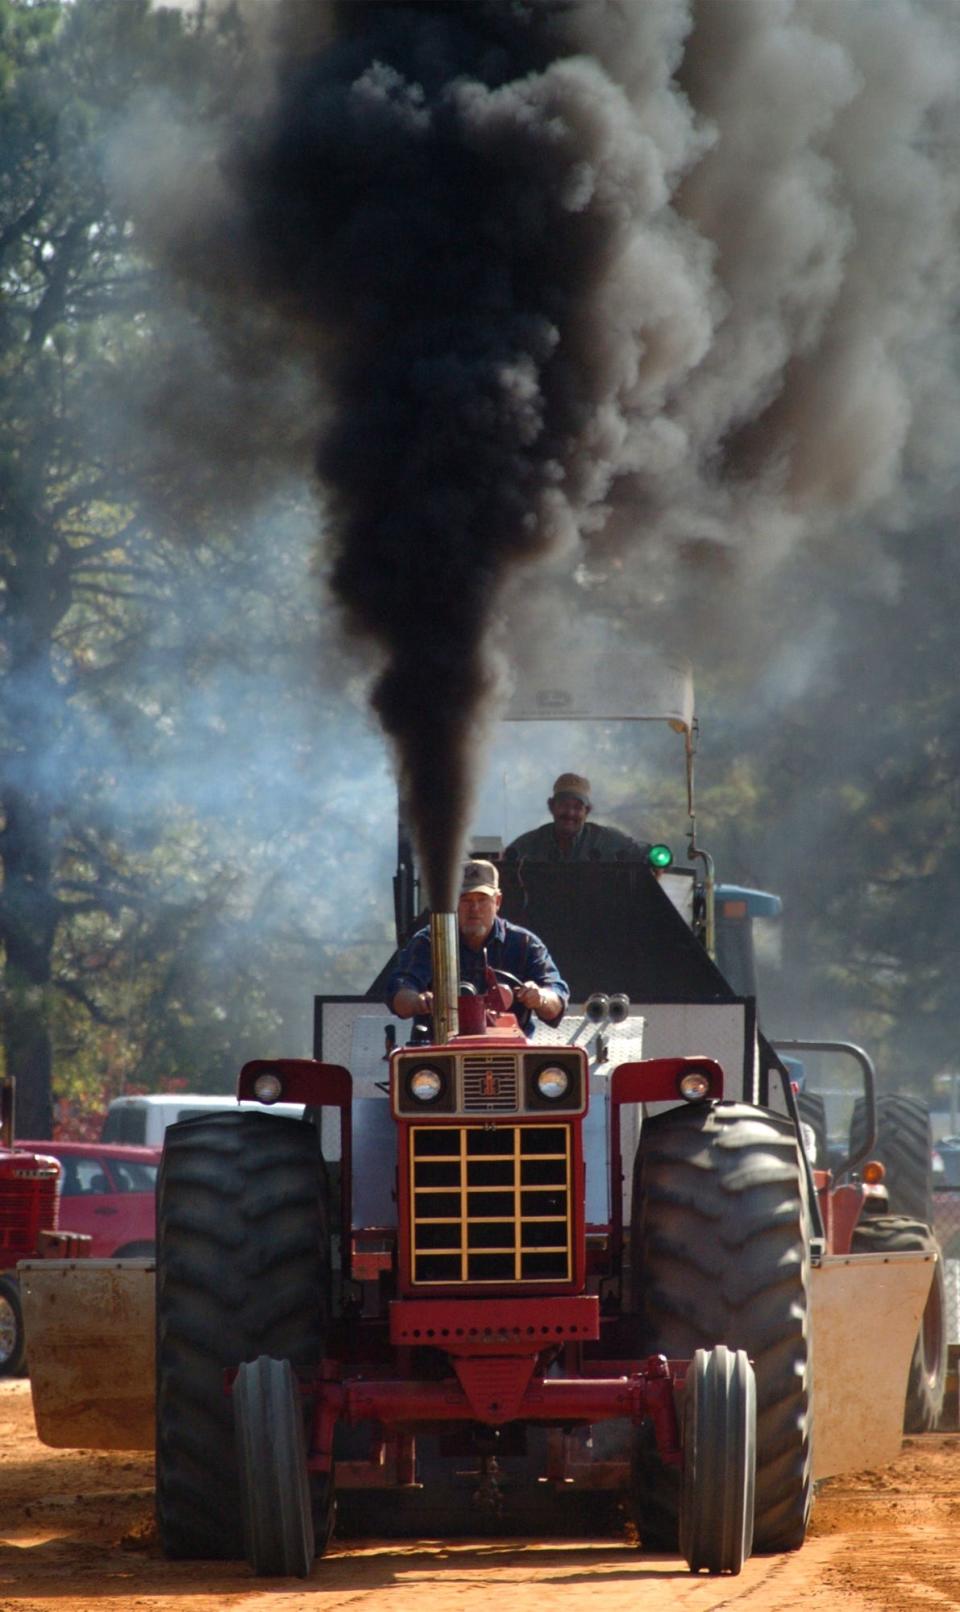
{"x": 28, "y": 917}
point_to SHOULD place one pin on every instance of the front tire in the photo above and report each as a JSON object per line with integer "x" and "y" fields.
{"x": 272, "y": 1458}
{"x": 719, "y": 1254}
{"x": 717, "y": 1486}
{"x": 13, "y": 1354}
{"x": 885, "y": 1234}
{"x": 243, "y": 1270}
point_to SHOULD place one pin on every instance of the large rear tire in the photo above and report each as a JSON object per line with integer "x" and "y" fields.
{"x": 905, "y": 1148}
{"x": 719, "y": 1461}
{"x": 885, "y": 1234}
{"x": 272, "y": 1458}
{"x": 243, "y": 1269}
{"x": 719, "y": 1254}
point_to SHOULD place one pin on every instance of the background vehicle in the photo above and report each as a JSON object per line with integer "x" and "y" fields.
{"x": 29, "y": 1225}
{"x": 109, "y": 1193}
{"x": 142, "y": 1121}
{"x": 946, "y": 1162}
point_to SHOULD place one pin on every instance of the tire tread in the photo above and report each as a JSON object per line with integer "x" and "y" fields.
{"x": 726, "y": 1181}
{"x": 241, "y": 1272}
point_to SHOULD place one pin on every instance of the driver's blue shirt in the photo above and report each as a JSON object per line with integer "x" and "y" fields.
{"x": 507, "y": 946}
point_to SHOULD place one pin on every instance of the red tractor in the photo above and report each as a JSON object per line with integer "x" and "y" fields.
{"x": 501, "y": 1263}
{"x": 28, "y": 1206}
{"x": 488, "y": 1272}
{"x": 29, "y": 1213}
{"x": 494, "y": 1313}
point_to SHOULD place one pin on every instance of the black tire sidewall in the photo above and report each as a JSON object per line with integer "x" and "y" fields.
{"x": 15, "y": 1364}
{"x": 904, "y": 1147}
{"x": 719, "y": 1254}
{"x": 243, "y": 1269}
{"x": 926, "y": 1384}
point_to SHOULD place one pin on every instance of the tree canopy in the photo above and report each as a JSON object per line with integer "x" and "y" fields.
{"x": 195, "y": 810}
{"x": 159, "y": 742}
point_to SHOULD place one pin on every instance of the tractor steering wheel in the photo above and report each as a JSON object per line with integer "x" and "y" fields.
{"x": 507, "y": 978}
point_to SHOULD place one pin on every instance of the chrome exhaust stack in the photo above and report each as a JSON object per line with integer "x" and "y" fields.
{"x": 445, "y": 946}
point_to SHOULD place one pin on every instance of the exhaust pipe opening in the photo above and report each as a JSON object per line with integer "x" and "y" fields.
{"x": 445, "y": 945}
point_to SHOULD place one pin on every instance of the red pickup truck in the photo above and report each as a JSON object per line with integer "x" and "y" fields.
{"x": 110, "y": 1192}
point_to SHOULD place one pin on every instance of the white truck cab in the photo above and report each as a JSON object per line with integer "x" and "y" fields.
{"x": 143, "y": 1120}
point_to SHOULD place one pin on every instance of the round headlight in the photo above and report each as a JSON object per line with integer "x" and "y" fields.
{"x": 425, "y": 1084}
{"x": 267, "y": 1088}
{"x": 619, "y": 1008}
{"x": 597, "y": 1007}
{"x": 552, "y": 1082}
{"x": 695, "y": 1085}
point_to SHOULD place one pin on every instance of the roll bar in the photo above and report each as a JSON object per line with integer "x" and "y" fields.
{"x": 869, "y": 1090}
{"x": 625, "y": 684}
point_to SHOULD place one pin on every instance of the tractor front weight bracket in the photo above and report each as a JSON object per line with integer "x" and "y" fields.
{"x": 495, "y": 1391}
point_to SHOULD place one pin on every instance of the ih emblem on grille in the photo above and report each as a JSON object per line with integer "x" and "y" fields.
{"x": 491, "y": 1086}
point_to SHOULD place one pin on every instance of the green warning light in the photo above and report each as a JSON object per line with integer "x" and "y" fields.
{"x": 660, "y": 856}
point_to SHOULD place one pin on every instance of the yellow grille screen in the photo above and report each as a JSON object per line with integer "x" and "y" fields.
{"x": 490, "y": 1203}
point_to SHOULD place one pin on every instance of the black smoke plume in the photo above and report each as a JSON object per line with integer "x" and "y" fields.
{"x": 422, "y": 201}
{"x": 659, "y": 290}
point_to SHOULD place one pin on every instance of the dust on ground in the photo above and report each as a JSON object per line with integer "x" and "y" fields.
{"x": 77, "y": 1535}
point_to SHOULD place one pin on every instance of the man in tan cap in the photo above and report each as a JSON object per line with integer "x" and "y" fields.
{"x": 570, "y": 837}
{"x": 486, "y": 940}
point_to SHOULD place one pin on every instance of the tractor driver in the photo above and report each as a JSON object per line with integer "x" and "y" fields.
{"x": 485, "y": 940}
{"x": 570, "y": 837}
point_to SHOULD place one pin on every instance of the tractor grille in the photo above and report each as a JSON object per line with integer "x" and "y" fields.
{"x": 490, "y": 1203}
{"x": 491, "y": 1084}
{"x": 28, "y": 1202}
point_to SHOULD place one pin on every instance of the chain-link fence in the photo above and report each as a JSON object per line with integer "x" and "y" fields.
{"x": 946, "y": 1224}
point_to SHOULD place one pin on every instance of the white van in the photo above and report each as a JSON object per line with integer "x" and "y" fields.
{"x": 143, "y": 1120}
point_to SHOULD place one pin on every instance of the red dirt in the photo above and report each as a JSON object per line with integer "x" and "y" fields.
{"x": 76, "y": 1535}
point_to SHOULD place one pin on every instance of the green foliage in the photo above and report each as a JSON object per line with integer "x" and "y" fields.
{"x": 184, "y": 801}
{"x": 156, "y": 674}
{"x": 851, "y": 814}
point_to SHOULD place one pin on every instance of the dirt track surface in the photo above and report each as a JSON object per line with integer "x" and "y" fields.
{"x": 76, "y": 1535}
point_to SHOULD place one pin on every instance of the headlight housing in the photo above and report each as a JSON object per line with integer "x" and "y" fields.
{"x": 267, "y": 1088}
{"x": 553, "y": 1082}
{"x": 425, "y": 1084}
{"x": 695, "y": 1085}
